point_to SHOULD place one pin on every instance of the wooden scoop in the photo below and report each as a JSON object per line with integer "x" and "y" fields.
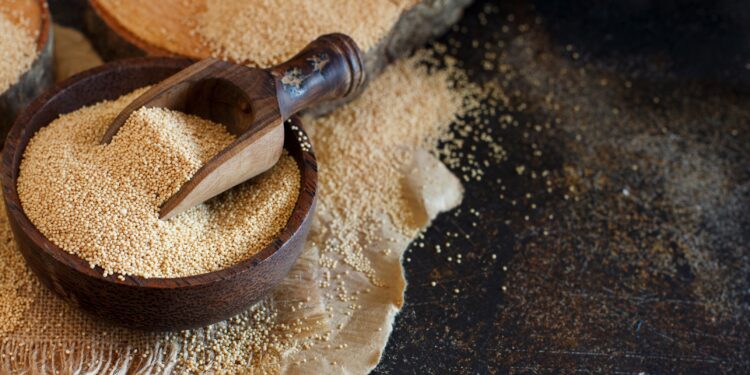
{"x": 253, "y": 104}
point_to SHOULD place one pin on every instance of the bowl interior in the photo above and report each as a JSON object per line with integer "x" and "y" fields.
{"x": 110, "y": 82}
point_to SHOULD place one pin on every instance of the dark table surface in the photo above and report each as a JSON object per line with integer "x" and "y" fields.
{"x": 613, "y": 237}
{"x": 631, "y": 255}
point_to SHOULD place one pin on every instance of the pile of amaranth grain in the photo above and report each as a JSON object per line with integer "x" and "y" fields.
{"x": 101, "y": 202}
{"x": 242, "y": 31}
{"x": 18, "y": 46}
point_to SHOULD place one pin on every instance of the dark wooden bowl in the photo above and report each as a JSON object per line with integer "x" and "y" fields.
{"x": 156, "y": 303}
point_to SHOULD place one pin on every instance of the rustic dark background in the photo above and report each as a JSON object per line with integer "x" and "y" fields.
{"x": 644, "y": 268}
{"x": 613, "y": 238}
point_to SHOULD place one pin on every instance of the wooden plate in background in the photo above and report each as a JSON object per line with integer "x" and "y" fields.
{"x": 159, "y": 28}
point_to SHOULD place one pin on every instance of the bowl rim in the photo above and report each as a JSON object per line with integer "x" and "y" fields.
{"x": 46, "y": 25}
{"x": 12, "y": 152}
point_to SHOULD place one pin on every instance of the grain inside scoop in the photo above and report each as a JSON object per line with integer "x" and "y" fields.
{"x": 253, "y": 104}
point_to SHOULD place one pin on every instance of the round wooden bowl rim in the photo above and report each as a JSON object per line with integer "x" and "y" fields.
{"x": 304, "y": 205}
{"x": 44, "y": 27}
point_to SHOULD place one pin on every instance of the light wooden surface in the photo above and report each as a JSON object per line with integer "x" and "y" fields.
{"x": 159, "y": 28}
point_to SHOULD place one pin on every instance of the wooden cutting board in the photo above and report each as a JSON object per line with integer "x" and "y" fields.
{"x": 166, "y": 27}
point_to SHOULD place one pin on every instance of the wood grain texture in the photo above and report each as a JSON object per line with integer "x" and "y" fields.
{"x": 166, "y": 32}
{"x": 152, "y": 304}
{"x": 329, "y": 68}
{"x": 40, "y": 75}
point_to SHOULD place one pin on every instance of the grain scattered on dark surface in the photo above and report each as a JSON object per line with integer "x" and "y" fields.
{"x": 618, "y": 222}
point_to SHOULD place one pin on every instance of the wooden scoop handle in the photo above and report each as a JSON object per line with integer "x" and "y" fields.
{"x": 328, "y": 68}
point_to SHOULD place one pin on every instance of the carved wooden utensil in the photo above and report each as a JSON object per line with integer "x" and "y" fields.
{"x": 253, "y": 104}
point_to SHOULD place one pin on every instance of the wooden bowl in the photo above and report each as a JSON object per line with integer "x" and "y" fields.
{"x": 136, "y": 302}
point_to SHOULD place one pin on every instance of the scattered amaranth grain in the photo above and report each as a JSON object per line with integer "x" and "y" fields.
{"x": 363, "y": 149}
{"x": 18, "y": 287}
{"x": 328, "y": 287}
